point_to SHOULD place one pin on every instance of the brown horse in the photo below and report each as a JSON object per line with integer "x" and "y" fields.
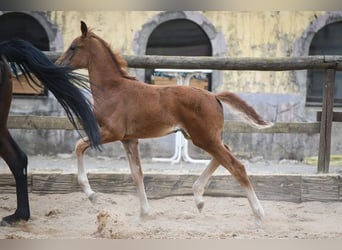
{"x": 127, "y": 109}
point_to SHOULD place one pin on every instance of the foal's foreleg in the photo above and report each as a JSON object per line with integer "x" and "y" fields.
{"x": 201, "y": 182}
{"x": 80, "y": 148}
{"x": 132, "y": 151}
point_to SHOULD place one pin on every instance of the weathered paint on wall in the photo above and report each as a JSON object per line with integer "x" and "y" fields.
{"x": 116, "y": 27}
{"x": 278, "y": 96}
{"x": 247, "y": 34}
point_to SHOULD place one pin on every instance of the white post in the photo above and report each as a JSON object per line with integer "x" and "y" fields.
{"x": 181, "y": 144}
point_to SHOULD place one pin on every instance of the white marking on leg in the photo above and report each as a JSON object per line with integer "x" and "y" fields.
{"x": 82, "y": 175}
{"x": 255, "y": 205}
{"x": 139, "y": 183}
{"x": 237, "y": 169}
{"x": 144, "y": 207}
{"x": 131, "y": 148}
{"x": 201, "y": 182}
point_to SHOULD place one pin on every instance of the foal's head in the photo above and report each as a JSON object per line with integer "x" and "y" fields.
{"x": 78, "y": 53}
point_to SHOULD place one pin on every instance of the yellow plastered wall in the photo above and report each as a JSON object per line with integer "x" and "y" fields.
{"x": 247, "y": 34}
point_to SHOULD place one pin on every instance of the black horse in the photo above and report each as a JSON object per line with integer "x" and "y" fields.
{"x": 63, "y": 83}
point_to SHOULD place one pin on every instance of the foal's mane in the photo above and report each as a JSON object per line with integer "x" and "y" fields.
{"x": 117, "y": 58}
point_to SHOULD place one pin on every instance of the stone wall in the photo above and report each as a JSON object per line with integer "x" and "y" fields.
{"x": 278, "y": 96}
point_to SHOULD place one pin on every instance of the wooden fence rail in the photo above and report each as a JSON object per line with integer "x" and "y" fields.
{"x": 280, "y": 187}
{"x": 294, "y": 188}
{"x": 330, "y": 64}
{"x": 54, "y": 122}
{"x": 229, "y": 63}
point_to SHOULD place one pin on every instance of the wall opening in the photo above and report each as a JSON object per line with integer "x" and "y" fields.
{"x": 33, "y": 26}
{"x": 321, "y": 37}
{"x": 211, "y": 42}
{"x": 327, "y": 41}
{"x": 179, "y": 37}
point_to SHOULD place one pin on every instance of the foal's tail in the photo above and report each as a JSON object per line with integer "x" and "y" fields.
{"x": 61, "y": 81}
{"x": 247, "y": 112}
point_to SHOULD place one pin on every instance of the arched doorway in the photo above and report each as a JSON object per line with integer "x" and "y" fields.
{"x": 179, "y": 37}
{"x": 321, "y": 37}
{"x": 20, "y": 25}
{"x": 23, "y": 26}
{"x": 146, "y": 38}
{"x": 327, "y": 41}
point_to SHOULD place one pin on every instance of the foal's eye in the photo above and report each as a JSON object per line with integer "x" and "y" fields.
{"x": 73, "y": 47}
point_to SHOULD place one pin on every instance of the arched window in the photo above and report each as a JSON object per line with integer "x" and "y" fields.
{"x": 179, "y": 37}
{"x": 195, "y": 19}
{"x": 327, "y": 41}
{"x": 24, "y": 26}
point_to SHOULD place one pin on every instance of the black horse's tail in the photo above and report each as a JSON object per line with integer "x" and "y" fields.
{"x": 61, "y": 81}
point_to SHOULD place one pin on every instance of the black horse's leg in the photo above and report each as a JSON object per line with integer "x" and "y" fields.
{"x": 16, "y": 159}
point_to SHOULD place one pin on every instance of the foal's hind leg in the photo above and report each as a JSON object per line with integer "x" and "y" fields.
{"x": 132, "y": 151}
{"x": 199, "y": 185}
{"x": 236, "y": 168}
{"x": 201, "y": 182}
{"x": 16, "y": 159}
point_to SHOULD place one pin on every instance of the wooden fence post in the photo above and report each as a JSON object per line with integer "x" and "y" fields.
{"x": 326, "y": 122}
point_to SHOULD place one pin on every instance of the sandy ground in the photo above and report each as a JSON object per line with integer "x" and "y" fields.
{"x": 73, "y": 216}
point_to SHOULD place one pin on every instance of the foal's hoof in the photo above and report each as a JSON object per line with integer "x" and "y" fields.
{"x": 199, "y": 202}
{"x": 258, "y": 223}
{"x": 200, "y": 206}
{"x": 93, "y": 198}
{"x": 144, "y": 217}
{"x": 259, "y": 217}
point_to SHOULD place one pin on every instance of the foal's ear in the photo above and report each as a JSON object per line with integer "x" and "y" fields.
{"x": 84, "y": 29}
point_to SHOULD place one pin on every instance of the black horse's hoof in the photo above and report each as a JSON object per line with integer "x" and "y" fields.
{"x": 4, "y": 223}
{"x": 12, "y": 220}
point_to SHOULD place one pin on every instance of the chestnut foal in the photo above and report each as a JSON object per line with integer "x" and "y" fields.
{"x": 127, "y": 109}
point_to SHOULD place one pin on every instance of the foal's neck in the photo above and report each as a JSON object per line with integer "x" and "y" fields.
{"x": 103, "y": 70}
